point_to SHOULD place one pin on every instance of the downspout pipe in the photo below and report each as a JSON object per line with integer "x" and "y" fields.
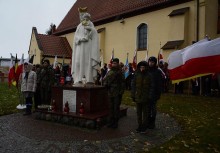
{"x": 197, "y": 20}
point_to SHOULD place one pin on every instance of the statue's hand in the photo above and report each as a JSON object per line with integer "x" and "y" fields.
{"x": 88, "y": 28}
{"x": 84, "y": 40}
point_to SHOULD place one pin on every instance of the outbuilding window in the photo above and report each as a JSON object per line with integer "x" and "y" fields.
{"x": 142, "y": 37}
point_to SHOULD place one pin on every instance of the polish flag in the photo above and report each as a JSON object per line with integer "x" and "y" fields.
{"x": 55, "y": 62}
{"x": 197, "y": 60}
{"x": 134, "y": 63}
{"x": 20, "y": 68}
{"x": 146, "y": 57}
{"x": 160, "y": 56}
{"x": 112, "y": 56}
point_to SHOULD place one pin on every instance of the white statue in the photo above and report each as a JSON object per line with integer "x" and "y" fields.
{"x": 86, "y": 55}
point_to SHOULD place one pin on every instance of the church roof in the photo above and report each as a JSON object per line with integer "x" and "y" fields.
{"x": 104, "y": 11}
{"x": 53, "y": 45}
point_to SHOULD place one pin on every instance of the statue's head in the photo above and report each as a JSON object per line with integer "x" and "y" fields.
{"x": 85, "y": 19}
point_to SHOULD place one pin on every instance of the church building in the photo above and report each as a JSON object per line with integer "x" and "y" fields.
{"x": 124, "y": 26}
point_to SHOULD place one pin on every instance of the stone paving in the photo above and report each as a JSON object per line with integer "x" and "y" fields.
{"x": 25, "y": 134}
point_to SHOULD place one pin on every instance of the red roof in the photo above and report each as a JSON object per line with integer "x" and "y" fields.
{"x": 102, "y": 10}
{"x": 53, "y": 45}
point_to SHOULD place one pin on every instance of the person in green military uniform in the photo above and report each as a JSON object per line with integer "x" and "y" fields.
{"x": 45, "y": 82}
{"x": 114, "y": 81}
{"x": 141, "y": 86}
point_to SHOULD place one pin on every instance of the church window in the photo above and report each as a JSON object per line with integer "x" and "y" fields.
{"x": 142, "y": 37}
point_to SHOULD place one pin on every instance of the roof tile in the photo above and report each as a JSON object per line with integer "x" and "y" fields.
{"x": 55, "y": 45}
{"x": 105, "y": 9}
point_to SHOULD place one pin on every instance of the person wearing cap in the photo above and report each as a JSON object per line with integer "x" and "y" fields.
{"x": 140, "y": 89}
{"x": 28, "y": 86}
{"x": 155, "y": 92}
{"x": 114, "y": 81}
{"x": 46, "y": 81}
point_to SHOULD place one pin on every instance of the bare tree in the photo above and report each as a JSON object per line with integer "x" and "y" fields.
{"x": 51, "y": 29}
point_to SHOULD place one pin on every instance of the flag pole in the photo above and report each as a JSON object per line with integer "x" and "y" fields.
{"x": 158, "y": 56}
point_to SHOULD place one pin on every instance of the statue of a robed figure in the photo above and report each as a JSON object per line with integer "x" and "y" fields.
{"x": 86, "y": 55}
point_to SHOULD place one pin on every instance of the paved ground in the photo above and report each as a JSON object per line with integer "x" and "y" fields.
{"x": 24, "y": 134}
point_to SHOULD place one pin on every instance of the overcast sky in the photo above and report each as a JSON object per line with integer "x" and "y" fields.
{"x": 17, "y": 17}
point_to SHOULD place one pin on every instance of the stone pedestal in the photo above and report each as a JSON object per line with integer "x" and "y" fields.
{"x": 94, "y": 98}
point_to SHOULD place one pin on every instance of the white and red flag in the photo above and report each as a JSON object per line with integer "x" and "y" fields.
{"x": 134, "y": 63}
{"x": 160, "y": 56}
{"x": 20, "y": 67}
{"x": 146, "y": 57}
{"x": 112, "y": 56}
{"x": 196, "y": 60}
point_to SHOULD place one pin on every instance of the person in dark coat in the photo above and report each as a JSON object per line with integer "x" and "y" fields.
{"x": 114, "y": 81}
{"x": 46, "y": 81}
{"x": 140, "y": 89}
{"x": 155, "y": 91}
{"x": 37, "y": 100}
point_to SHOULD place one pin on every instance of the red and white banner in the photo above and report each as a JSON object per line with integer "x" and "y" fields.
{"x": 134, "y": 63}
{"x": 199, "y": 59}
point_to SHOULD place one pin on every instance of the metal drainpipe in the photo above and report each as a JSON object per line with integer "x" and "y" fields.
{"x": 197, "y": 20}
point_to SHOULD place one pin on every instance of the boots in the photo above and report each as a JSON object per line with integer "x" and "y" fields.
{"x": 151, "y": 123}
{"x": 113, "y": 123}
{"x": 27, "y": 110}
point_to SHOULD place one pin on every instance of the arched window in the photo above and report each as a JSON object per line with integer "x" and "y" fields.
{"x": 142, "y": 37}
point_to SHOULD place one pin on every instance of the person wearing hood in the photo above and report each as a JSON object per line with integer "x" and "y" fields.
{"x": 155, "y": 91}
{"x": 28, "y": 86}
{"x": 140, "y": 89}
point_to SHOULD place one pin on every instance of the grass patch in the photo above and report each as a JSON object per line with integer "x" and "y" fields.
{"x": 9, "y": 99}
{"x": 199, "y": 118}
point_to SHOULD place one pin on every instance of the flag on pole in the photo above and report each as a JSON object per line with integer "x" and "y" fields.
{"x": 134, "y": 63}
{"x": 196, "y": 60}
{"x": 160, "y": 55}
{"x": 20, "y": 68}
{"x": 12, "y": 79}
{"x": 126, "y": 67}
{"x": 146, "y": 57}
{"x": 15, "y": 76}
{"x": 70, "y": 67}
{"x": 16, "y": 63}
{"x": 55, "y": 62}
{"x": 101, "y": 59}
{"x": 112, "y": 56}
{"x": 11, "y": 72}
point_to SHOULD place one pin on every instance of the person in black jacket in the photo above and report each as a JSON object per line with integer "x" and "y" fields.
{"x": 141, "y": 86}
{"x": 155, "y": 92}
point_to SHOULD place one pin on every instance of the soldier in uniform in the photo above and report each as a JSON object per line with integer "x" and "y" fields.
{"x": 114, "y": 81}
{"x": 141, "y": 86}
{"x": 46, "y": 81}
